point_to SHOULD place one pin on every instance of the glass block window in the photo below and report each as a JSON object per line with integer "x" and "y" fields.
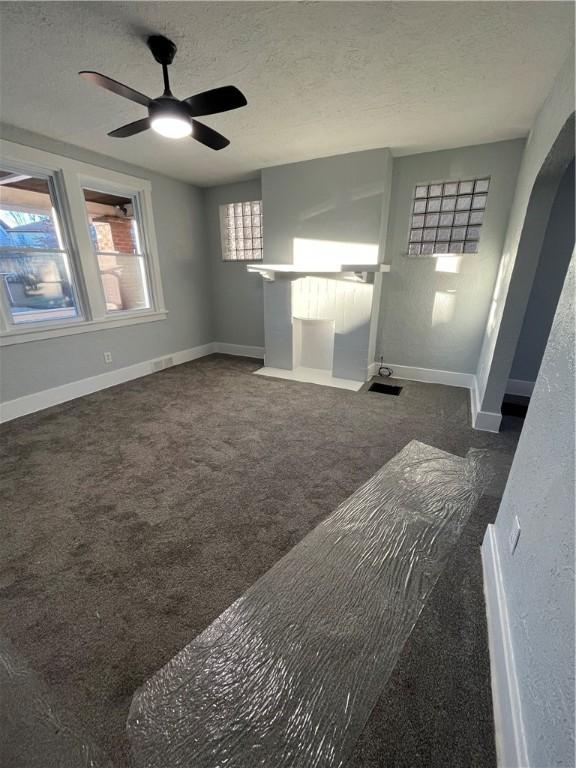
{"x": 447, "y": 217}
{"x": 241, "y": 231}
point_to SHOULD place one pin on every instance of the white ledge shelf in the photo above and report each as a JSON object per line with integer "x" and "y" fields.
{"x": 294, "y": 271}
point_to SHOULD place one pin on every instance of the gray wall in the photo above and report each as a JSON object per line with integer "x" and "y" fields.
{"x": 341, "y": 199}
{"x": 236, "y": 294}
{"x": 538, "y": 579}
{"x": 411, "y": 331}
{"x": 333, "y": 198}
{"x": 179, "y": 221}
{"x": 548, "y": 282}
{"x": 538, "y": 180}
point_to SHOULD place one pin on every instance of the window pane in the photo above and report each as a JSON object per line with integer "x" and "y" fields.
{"x": 38, "y": 286}
{"x": 112, "y": 223}
{"x": 124, "y": 282}
{"x": 482, "y": 185}
{"x": 476, "y": 217}
{"x": 27, "y": 215}
{"x": 448, "y": 203}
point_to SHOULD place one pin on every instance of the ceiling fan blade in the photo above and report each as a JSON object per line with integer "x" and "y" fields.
{"x": 115, "y": 87}
{"x": 217, "y": 100}
{"x": 208, "y": 136}
{"x": 131, "y": 129}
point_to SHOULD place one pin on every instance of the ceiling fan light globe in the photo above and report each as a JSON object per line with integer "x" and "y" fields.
{"x": 171, "y": 126}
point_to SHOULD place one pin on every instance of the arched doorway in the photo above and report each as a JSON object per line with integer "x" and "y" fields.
{"x": 517, "y": 272}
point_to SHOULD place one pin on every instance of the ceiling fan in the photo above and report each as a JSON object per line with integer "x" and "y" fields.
{"x": 167, "y": 115}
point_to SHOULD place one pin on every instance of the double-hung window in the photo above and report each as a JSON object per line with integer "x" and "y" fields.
{"x": 114, "y": 225}
{"x": 77, "y": 247}
{"x": 36, "y": 272}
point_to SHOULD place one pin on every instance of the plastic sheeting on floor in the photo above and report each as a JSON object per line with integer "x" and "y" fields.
{"x": 34, "y": 733}
{"x": 289, "y": 674}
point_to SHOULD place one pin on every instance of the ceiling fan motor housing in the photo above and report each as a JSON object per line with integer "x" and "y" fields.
{"x": 168, "y": 106}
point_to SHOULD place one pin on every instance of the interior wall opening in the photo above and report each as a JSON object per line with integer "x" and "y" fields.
{"x": 549, "y": 277}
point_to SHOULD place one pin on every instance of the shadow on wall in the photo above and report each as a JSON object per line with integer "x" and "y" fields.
{"x": 335, "y": 218}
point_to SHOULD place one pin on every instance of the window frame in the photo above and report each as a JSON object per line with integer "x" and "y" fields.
{"x": 222, "y": 209}
{"x": 96, "y": 185}
{"x": 58, "y": 198}
{"x": 69, "y": 177}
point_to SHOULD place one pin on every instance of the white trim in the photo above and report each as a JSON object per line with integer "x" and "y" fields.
{"x": 429, "y": 375}
{"x": 240, "y": 350}
{"x": 21, "y": 406}
{"x": 12, "y": 409}
{"x": 68, "y": 177}
{"x": 485, "y": 421}
{"x": 509, "y": 727}
{"x": 520, "y": 387}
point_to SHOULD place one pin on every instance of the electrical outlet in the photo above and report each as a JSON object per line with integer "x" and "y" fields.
{"x": 514, "y": 534}
{"x": 108, "y": 357}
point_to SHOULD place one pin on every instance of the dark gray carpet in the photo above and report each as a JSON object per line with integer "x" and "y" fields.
{"x": 134, "y": 516}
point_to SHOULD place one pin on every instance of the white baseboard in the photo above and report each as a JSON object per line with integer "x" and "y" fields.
{"x": 509, "y": 727}
{"x": 429, "y": 375}
{"x": 241, "y": 350}
{"x": 485, "y": 421}
{"x": 520, "y": 387}
{"x": 21, "y": 406}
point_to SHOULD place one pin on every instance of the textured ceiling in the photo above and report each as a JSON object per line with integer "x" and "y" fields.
{"x": 320, "y": 78}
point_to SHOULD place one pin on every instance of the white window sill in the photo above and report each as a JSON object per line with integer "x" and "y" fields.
{"x": 21, "y": 335}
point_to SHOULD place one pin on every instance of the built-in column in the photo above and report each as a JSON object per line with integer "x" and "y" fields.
{"x": 278, "y": 324}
